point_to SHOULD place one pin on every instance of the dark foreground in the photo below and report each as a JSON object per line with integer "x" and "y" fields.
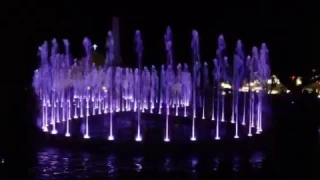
{"x": 288, "y": 149}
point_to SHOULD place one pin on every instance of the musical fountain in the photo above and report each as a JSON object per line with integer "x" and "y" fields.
{"x": 75, "y": 94}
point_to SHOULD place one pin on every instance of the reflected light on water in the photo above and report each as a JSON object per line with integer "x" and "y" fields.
{"x": 58, "y": 164}
{"x": 111, "y": 165}
{"x": 137, "y": 163}
{"x": 194, "y": 163}
{"x": 257, "y": 159}
{"x": 216, "y": 163}
{"x": 236, "y": 162}
{"x": 167, "y": 164}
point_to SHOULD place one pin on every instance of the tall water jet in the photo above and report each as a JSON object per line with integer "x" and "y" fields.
{"x": 87, "y": 47}
{"x": 168, "y": 45}
{"x": 247, "y": 80}
{"x": 167, "y": 102}
{"x": 162, "y": 87}
{"x": 238, "y": 73}
{"x": 154, "y": 88}
{"x": 110, "y": 60}
{"x": 205, "y": 87}
{"x": 263, "y": 75}
{"x": 226, "y": 80}
{"x": 178, "y": 89}
{"x": 220, "y": 70}
{"x": 222, "y": 61}
{"x": 250, "y": 77}
{"x": 217, "y": 76}
{"x": 255, "y": 60}
{"x": 195, "y": 59}
{"x": 40, "y": 83}
{"x": 69, "y": 106}
{"x": 252, "y": 68}
{"x": 198, "y": 87}
{"x": 214, "y": 85}
{"x": 169, "y": 75}
{"x": 139, "y": 50}
{"x": 54, "y": 50}
{"x": 186, "y": 88}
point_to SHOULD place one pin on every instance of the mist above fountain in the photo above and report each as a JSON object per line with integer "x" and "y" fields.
{"x": 76, "y": 90}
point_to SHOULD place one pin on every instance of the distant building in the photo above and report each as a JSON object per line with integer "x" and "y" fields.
{"x": 313, "y": 85}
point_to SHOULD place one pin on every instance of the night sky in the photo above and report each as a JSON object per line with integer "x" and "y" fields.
{"x": 281, "y": 26}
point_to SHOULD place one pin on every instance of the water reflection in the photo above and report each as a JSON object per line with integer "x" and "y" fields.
{"x": 167, "y": 164}
{"x": 216, "y": 163}
{"x": 56, "y": 164}
{"x": 111, "y": 165}
{"x": 137, "y": 163}
{"x": 236, "y": 162}
{"x": 193, "y": 161}
{"x": 256, "y": 160}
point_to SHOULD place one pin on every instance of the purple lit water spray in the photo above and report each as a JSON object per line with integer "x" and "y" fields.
{"x": 54, "y": 63}
{"x": 205, "y": 87}
{"x": 139, "y": 50}
{"x": 238, "y": 75}
{"x": 83, "y": 90}
{"x": 263, "y": 75}
{"x": 168, "y": 45}
{"x": 217, "y": 76}
{"x": 87, "y": 47}
{"x": 195, "y": 60}
{"x": 110, "y": 60}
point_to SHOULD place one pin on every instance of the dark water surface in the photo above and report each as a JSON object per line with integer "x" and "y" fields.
{"x": 54, "y": 163}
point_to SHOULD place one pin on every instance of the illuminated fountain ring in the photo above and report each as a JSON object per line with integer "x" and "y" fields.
{"x": 216, "y": 103}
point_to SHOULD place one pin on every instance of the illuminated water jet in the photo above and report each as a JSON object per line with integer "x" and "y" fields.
{"x": 76, "y": 92}
{"x": 139, "y": 50}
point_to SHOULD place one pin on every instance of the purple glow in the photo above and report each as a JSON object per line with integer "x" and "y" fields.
{"x": 71, "y": 91}
{"x": 167, "y": 125}
{"x": 138, "y": 74}
{"x": 138, "y": 138}
{"x": 196, "y": 67}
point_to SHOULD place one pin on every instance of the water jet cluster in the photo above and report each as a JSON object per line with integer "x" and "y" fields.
{"x": 70, "y": 89}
